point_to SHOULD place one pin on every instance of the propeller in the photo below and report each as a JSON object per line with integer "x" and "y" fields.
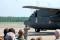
{"x": 35, "y": 7}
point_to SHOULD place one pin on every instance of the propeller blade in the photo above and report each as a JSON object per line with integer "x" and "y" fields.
{"x": 32, "y": 7}
{"x": 35, "y": 7}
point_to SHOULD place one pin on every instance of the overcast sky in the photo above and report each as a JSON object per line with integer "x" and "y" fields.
{"x": 14, "y": 7}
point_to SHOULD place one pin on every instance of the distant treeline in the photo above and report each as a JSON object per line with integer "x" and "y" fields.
{"x": 13, "y": 19}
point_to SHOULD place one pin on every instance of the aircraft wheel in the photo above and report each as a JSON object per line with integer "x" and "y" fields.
{"x": 37, "y": 30}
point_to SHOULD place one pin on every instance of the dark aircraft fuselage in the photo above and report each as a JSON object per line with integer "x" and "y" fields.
{"x": 44, "y": 19}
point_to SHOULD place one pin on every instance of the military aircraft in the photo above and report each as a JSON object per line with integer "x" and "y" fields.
{"x": 44, "y": 18}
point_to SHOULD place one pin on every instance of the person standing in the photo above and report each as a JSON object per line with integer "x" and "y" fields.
{"x": 20, "y": 35}
{"x": 11, "y": 34}
{"x": 32, "y": 39}
{"x": 5, "y": 32}
{"x": 57, "y": 34}
{"x": 26, "y": 32}
{"x": 39, "y": 38}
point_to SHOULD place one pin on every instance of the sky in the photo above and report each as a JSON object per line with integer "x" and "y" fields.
{"x": 14, "y": 7}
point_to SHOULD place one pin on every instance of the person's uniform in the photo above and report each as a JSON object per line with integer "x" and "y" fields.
{"x": 21, "y": 38}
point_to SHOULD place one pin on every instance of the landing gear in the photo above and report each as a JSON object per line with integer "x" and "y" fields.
{"x": 37, "y": 30}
